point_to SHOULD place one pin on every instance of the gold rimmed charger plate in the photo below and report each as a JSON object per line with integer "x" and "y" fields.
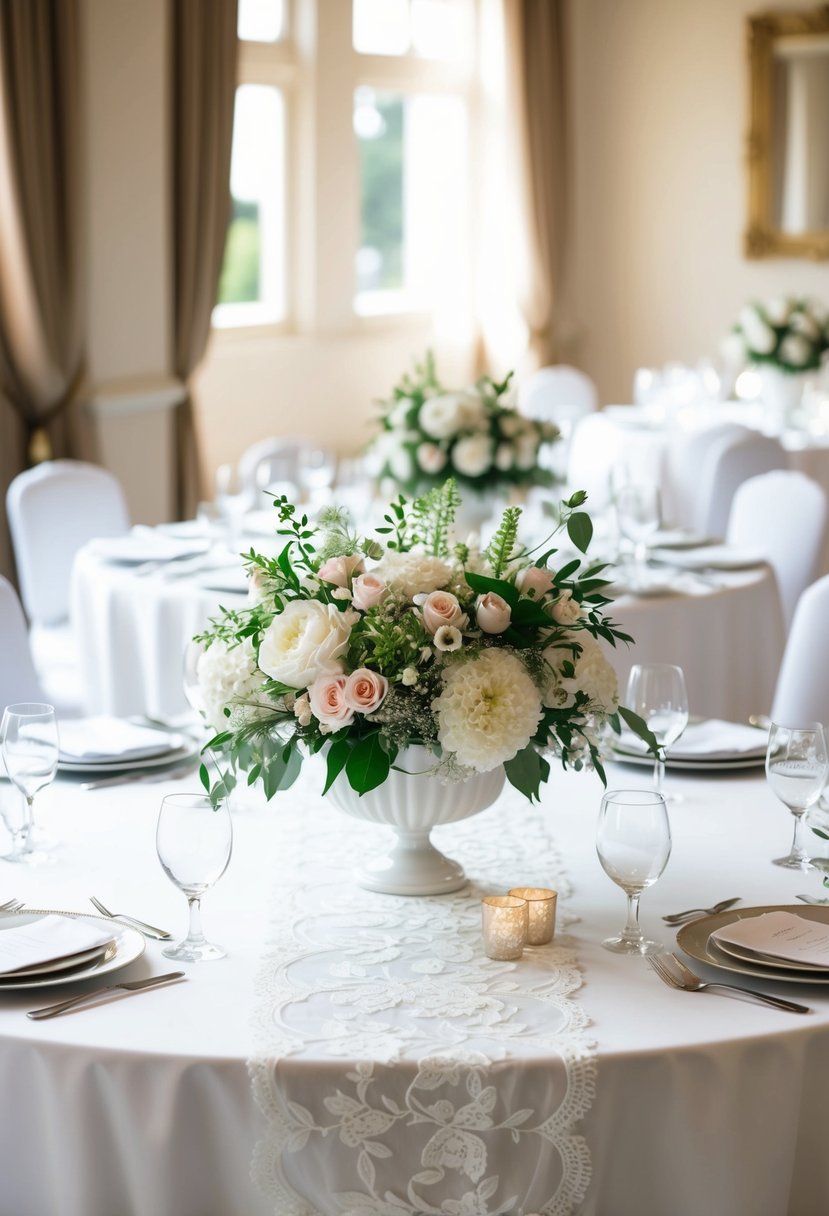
{"x": 693, "y": 940}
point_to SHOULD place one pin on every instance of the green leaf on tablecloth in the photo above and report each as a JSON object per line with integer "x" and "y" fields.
{"x": 368, "y": 764}
{"x": 527, "y": 771}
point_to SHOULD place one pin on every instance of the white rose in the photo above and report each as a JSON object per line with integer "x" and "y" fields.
{"x": 510, "y": 425}
{"x": 778, "y": 309}
{"x": 526, "y": 452}
{"x": 492, "y": 613}
{"x": 441, "y": 416}
{"x": 473, "y": 412}
{"x": 472, "y": 455}
{"x": 795, "y": 349}
{"x": 803, "y": 323}
{"x": 430, "y": 457}
{"x": 593, "y": 676}
{"x": 304, "y": 642}
{"x": 504, "y": 456}
{"x": 565, "y": 610}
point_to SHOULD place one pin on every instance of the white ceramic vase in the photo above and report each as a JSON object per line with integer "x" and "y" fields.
{"x": 412, "y": 802}
{"x": 782, "y": 393}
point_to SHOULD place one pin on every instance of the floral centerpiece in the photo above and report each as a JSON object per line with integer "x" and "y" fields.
{"x": 358, "y": 648}
{"x": 475, "y": 435}
{"x": 786, "y": 332}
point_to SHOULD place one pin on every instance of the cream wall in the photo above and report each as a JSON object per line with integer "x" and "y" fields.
{"x": 661, "y": 110}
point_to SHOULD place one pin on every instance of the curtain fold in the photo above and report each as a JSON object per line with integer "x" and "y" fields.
{"x": 536, "y": 49}
{"x": 203, "y": 83}
{"x": 42, "y": 300}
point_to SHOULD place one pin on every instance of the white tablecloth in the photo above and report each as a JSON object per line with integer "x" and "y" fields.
{"x": 144, "y": 1106}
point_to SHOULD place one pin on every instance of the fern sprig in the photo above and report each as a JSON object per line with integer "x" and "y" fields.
{"x": 502, "y": 548}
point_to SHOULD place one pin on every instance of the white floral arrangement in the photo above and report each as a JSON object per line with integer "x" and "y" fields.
{"x": 475, "y": 435}
{"x": 787, "y": 332}
{"x": 360, "y": 649}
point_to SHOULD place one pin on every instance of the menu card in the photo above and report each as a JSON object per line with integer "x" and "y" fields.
{"x": 46, "y": 940}
{"x": 782, "y": 935}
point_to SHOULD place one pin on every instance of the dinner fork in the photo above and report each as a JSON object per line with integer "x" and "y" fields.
{"x": 11, "y": 905}
{"x": 673, "y": 972}
{"x": 150, "y": 930}
{"x": 676, "y": 918}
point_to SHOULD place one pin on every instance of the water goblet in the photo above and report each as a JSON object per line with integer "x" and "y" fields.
{"x": 633, "y": 842}
{"x": 797, "y": 765}
{"x": 639, "y": 515}
{"x": 194, "y": 839}
{"x": 29, "y": 745}
{"x": 657, "y": 693}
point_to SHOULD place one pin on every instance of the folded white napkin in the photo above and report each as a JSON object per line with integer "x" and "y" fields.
{"x": 781, "y": 935}
{"x": 146, "y": 545}
{"x": 106, "y": 740}
{"x": 47, "y": 940}
{"x": 711, "y": 557}
{"x": 711, "y": 739}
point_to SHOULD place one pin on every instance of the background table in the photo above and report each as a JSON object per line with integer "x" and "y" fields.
{"x": 143, "y": 1106}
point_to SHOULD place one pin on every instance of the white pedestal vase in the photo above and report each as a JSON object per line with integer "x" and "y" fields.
{"x": 412, "y": 802}
{"x": 782, "y": 393}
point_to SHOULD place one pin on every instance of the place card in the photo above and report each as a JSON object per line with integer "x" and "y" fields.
{"x": 782, "y": 935}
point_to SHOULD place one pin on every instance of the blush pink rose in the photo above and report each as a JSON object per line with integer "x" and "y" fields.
{"x": 492, "y": 613}
{"x": 365, "y": 690}
{"x": 442, "y": 608}
{"x": 535, "y": 581}
{"x": 368, "y": 591}
{"x": 340, "y": 570}
{"x": 326, "y": 697}
{"x": 565, "y": 610}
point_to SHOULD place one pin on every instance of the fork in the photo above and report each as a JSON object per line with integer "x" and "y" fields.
{"x": 150, "y": 930}
{"x": 11, "y": 905}
{"x": 676, "y": 918}
{"x": 675, "y": 974}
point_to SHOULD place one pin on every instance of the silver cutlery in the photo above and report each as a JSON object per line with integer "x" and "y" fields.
{"x": 677, "y": 918}
{"x": 150, "y": 930}
{"x": 673, "y": 972}
{"x": 173, "y": 773}
{"x": 52, "y": 1011}
{"x": 812, "y": 899}
{"x": 11, "y": 905}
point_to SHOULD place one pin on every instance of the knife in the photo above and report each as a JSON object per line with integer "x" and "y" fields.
{"x": 51, "y": 1011}
{"x": 179, "y": 770}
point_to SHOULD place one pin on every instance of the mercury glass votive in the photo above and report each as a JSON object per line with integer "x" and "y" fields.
{"x": 504, "y": 926}
{"x": 541, "y": 905}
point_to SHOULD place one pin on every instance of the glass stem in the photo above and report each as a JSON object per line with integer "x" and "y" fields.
{"x": 631, "y": 931}
{"x": 658, "y": 774}
{"x": 28, "y": 826}
{"x": 194, "y": 932}
{"x": 640, "y": 555}
{"x": 797, "y": 848}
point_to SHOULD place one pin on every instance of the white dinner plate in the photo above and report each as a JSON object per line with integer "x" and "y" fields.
{"x": 174, "y": 756}
{"x": 723, "y": 764}
{"x": 693, "y": 939}
{"x": 129, "y": 945}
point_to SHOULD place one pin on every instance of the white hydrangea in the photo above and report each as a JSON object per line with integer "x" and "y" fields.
{"x": 228, "y": 676}
{"x": 488, "y": 710}
{"x": 412, "y": 573}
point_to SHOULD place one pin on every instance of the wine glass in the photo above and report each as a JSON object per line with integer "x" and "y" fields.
{"x": 194, "y": 839}
{"x": 657, "y": 693}
{"x": 232, "y": 506}
{"x": 639, "y": 514}
{"x": 633, "y": 842}
{"x": 29, "y": 745}
{"x": 796, "y": 769}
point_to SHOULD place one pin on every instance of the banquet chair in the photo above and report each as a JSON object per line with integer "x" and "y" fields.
{"x": 685, "y": 461}
{"x": 731, "y": 462}
{"x": 801, "y": 693}
{"x": 53, "y": 510}
{"x": 562, "y": 395}
{"x": 781, "y": 515}
{"x": 18, "y": 678}
{"x": 594, "y": 449}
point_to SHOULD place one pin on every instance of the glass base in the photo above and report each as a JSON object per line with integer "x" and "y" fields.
{"x": 34, "y": 857}
{"x": 793, "y": 862}
{"x": 623, "y": 945}
{"x": 194, "y": 952}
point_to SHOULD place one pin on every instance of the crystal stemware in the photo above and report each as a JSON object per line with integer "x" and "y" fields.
{"x": 797, "y": 765}
{"x": 639, "y": 515}
{"x": 633, "y": 842}
{"x": 29, "y": 745}
{"x": 657, "y": 692}
{"x": 194, "y": 839}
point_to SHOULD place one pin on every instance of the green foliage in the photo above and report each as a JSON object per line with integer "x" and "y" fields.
{"x": 503, "y": 546}
{"x": 240, "y": 278}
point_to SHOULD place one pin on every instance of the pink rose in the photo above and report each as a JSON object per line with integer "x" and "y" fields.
{"x": 535, "y": 581}
{"x": 368, "y": 591}
{"x": 365, "y": 690}
{"x": 327, "y": 700}
{"x": 492, "y": 613}
{"x": 340, "y": 570}
{"x": 442, "y": 608}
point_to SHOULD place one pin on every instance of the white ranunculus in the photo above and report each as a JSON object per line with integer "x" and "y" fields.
{"x": 430, "y": 457}
{"x": 760, "y": 337}
{"x": 305, "y": 641}
{"x": 472, "y": 455}
{"x": 796, "y": 350}
{"x": 441, "y": 417}
{"x": 778, "y": 309}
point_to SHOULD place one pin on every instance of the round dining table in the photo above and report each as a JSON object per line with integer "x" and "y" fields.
{"x": 358, "y": 1053}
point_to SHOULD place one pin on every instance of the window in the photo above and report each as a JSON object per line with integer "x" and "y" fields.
{"x": 435, "y": 29}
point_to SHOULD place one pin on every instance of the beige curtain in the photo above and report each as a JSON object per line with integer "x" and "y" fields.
{"x": 41, "y": 257}
{"x": 203, "y": 83}
{"x": 536, "y": 50}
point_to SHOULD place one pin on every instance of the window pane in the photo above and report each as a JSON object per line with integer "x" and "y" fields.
{"x": 381, "y": 27}
{"x": 260, "y": 20}
{"x": 413, "y": 249}
{"x": 252, "y": 284}
{"x": 434, "y": 29}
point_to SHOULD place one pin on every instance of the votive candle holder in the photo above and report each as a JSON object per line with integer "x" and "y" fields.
{"x": 541, "y": 907}
{"x": 504, "y": 925}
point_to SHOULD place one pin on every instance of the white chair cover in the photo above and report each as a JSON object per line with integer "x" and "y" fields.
{"x": 782, "y": 515}
{"x": 556, "y": 394}
{"x": 53, "y": 510}
{"x": 18, "y": 678}
{"x": 594, "y": 450}
{"x": 685, "y": 462}
{"x": 802, "y": 690}
{"x": 729, "y": 464}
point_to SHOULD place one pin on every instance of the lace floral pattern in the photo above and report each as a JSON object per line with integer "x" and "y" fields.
{"x": 400, "y": 1071}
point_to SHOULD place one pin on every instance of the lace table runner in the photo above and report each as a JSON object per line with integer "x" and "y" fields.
{"x": 400, "y": 1071}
